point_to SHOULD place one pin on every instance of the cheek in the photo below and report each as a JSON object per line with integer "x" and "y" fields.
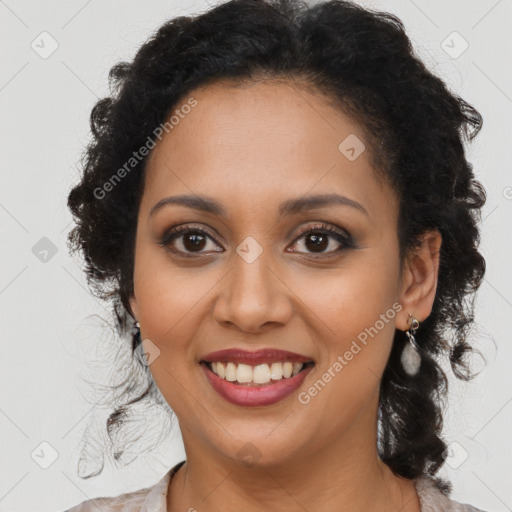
{"x": 353, "y": 297}
{"x": 169, "y": 304}
{"x": 357, "y": 307}
{"x": 355, "y": 347}
{"x": 170, "y": 299}
{"x": 166, "y": 305}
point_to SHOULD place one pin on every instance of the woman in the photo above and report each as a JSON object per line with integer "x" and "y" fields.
{"x": 277, "y": 197}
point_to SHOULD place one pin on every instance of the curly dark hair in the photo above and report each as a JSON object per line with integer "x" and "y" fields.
{"x": 364, "y": 62}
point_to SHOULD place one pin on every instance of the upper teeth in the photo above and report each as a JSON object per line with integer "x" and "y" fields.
{"x": 259, "y": 374}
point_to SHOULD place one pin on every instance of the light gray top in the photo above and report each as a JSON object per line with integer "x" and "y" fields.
{"x": 154, "y": 498}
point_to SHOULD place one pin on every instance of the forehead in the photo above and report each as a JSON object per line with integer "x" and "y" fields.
{"x": 262, "y": 140}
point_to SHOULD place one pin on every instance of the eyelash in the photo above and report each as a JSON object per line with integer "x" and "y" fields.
{"x": 322, "y": 229}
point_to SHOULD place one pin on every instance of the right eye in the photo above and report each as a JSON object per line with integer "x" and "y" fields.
{"x": 189, "y": 240}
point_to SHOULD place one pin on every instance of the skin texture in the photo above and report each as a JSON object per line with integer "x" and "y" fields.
{"x": 250, "y": 148}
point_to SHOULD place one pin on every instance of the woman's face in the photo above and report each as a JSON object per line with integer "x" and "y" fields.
{"x": 244, "y": 277}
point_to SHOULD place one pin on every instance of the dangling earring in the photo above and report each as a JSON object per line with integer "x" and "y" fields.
{"x": 411, "y": 359}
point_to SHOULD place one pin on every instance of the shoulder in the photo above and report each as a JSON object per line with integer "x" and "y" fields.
{"x": 434, "y": 499}
{"x": 149, "y": 499}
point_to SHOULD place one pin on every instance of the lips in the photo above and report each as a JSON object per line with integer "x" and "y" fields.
{"x": 253, "y": 358}
{"x": 239, "y": 387}
{"x": 250, "y": 396}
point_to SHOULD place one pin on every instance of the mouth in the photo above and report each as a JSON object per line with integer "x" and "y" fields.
{"x": 256, "y": 378}
{"x": 259, "y": 375}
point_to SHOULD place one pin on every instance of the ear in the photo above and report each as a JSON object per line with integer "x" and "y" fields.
{"x": 419, "y": 279}
{"x": 133, "y": 305}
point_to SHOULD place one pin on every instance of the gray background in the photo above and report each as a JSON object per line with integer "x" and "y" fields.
{"x": 46, "y": 333}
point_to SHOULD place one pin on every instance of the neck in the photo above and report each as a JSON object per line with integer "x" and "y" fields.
{"x": 343, "y": 473}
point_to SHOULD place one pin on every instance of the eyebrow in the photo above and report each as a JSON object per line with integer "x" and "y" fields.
{"x": 287, "y": 208}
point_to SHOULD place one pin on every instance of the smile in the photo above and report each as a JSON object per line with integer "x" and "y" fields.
{"x": 244, "y": 374}
{"x": 256, "y": 378}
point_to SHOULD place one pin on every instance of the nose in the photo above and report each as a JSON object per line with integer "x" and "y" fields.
{"x": 254, "y": 297}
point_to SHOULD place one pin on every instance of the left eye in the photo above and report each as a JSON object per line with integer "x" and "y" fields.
{"x": 318, "y": 240}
